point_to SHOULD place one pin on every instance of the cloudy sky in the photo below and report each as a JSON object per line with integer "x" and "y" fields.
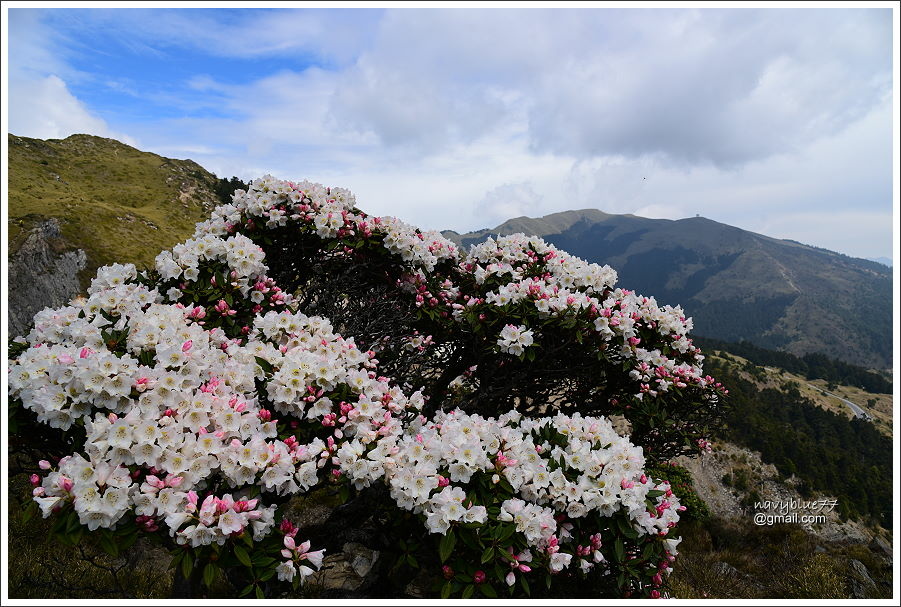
{"x": 774, "y": 120}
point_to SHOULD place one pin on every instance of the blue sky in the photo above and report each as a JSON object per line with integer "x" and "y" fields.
{"x": 774, "y": 120}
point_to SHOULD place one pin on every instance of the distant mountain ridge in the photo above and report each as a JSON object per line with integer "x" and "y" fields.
{"x": 737, "y": 285}
{"x": 886, "y": 261}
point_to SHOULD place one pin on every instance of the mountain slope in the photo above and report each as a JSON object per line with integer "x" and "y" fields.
{"x": 734, "y": 283}
{"x": 82, "y": 202}
{"x": 117, "y": 203}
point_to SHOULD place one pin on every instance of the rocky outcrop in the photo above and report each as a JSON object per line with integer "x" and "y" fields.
{"x": 43, "y": 272}
{"x": 731, "y": 502}
{"x": 861, "y": 583}
{"x": 349, "y": 573}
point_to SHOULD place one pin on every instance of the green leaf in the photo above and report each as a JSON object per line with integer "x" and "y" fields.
{"x": 247, "y": 589}
{"x": 488, "y": 590}
{"x": 412, "y": 560}
{"x": 488, "y": 554}
{"x": 187, "y": 565}
{"x": 470, "y": 541}
{"x": 626, "y": 528}
{"x": 265, "y": 365}
{"x": 505, "y": 554}
{"x": 447, "y": 545}
{"x": 467, "y": 592}
{"x": 498, "y": 571}
{"x": 619, "y": 550}
{"x": 242, "y": 555}
{"x": 267, "y": 575}
{"x": 525, "y": 585}
{"x": 128, "y": 540}
{"x": 31, "y": 509}
{"x": 108, "y": 545}
{"x": 261, "y": 560}
{"x": 76, "y": 535}
{"x": 72, "y": 524}
{"x": 446, "y": 590}
{"x": 259, "y": 593}
{"x": 209, "y": 574}
{"x": 505, "y": 485}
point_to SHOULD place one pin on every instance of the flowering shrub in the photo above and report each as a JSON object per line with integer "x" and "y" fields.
{"x": 512, "y": 323}
{"x": 198, "y": 397}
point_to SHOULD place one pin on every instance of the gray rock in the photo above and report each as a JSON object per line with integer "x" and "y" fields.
{"x": 361, "y": 558}
{"x": 881, "y": 547}
{"x": 349, "y": 572}
{"x": 861, "y": 582}
{"x": 725, "y": 569}
{"x": 42, "y": 273}
{"x": 421, "y": 586}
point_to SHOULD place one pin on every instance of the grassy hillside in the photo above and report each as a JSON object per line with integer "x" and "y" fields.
{"x": 117, "y": 203}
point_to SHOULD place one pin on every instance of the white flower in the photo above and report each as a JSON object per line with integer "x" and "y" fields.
{"x": 285, "y": 571}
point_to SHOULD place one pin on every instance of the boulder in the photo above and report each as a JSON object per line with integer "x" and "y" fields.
{"x": 348, "y": 573}
{"x": 859, "y": 577}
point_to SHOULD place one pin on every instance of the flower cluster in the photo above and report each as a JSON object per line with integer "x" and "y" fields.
{"x": 238, "y": 253}
{"x": 518, "y": 255}
{"x": 328, "y": 213}
{"x": 100, "y": 495}
{"x": 552, "y": 285}
{"x": 515, "y": 339}
{"x": 296, "y": 555}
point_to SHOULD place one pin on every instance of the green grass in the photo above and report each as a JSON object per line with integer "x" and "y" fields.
{"x": 117, "y": 203}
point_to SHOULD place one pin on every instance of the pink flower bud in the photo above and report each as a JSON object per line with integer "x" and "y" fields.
{"x": 44, "y": 465}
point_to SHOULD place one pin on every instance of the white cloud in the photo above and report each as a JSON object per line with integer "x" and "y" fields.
{"x": 462, "y": 119}
{"x": 506, "y": 202}
{"x": 45, "y": 109}
{"x": 691, "y": 87}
